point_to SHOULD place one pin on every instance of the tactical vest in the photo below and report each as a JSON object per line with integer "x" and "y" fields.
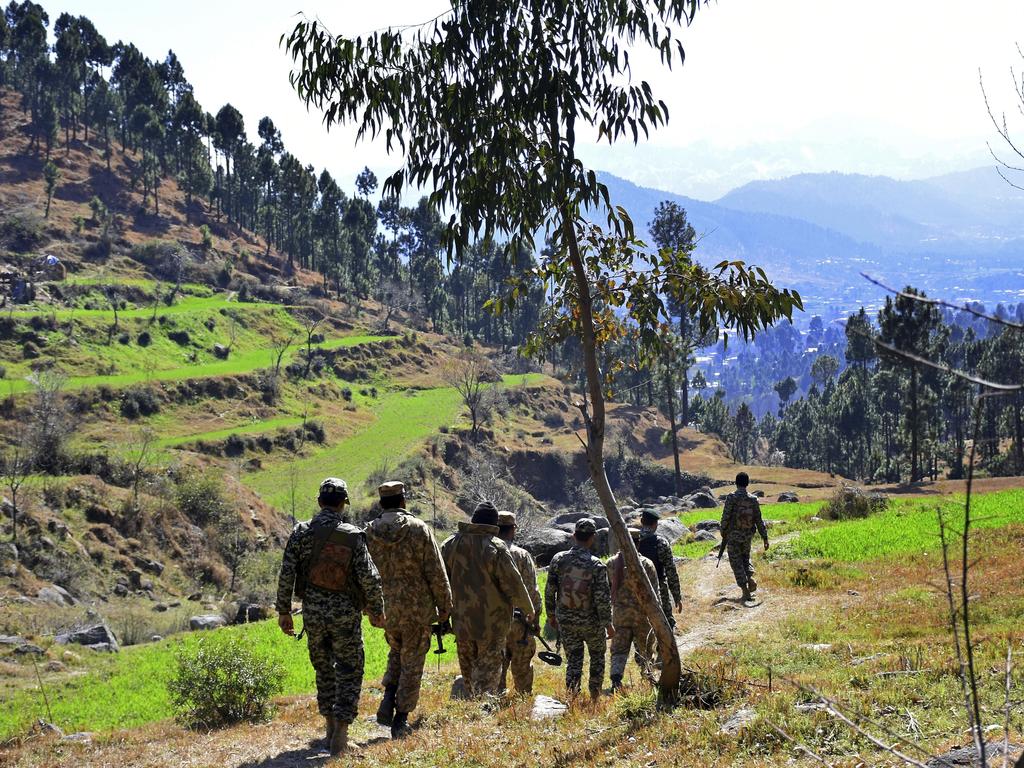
{"x": 575, "y": 589}
{"x": 330, "y": 561}
{"x": 743, "y": 513}
{"x": 648, "y": 547}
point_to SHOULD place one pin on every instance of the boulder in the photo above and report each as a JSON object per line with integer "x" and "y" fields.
{"x": 12, "y": 640}
{"x": 102, "y": 648}
{"x": 547, "y": 708}
{"x": 738, "y": 722}
{"x": 788, "y": 496}
{"x": 221, "y": 352}
{"x": 757, "y": 494}
{"x": 708, "y": 525}
{"x": 29, "y": 648}
{"x": 120, "y": 590}
{"x": 90, "y": 635}
{"x": 207, "y": 621}
{"x": 195, "y": 597}
{"x": 249, "y": 612}
{"x": 672, "y": 530}
{"x": 545, "y": 543}
{"x": 55, "y": 595}
{"x": 705, "y": 536}
{"x": 135, "y": 578}
{"x": 160, "y": 607}
{"x": 702, "y": 500}
{"x": 570, "y": 518}
{"x": 966, "y": 757}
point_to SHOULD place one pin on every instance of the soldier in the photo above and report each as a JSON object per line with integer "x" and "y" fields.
{"x": 486, "y": 588}
{"x": 631, "y": 624}
{"x": 740, "y": 518}
{"x": 656, "y": 549}
{"x": 327, "y": 566}
{"x": 519, "y": 655}
{"x": 579, "y": 606}
{"x": 417, "y": 594}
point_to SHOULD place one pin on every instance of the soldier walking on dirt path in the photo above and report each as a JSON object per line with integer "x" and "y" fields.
{"x": 657, "y": 549}
{"x": 579, "y": 606}
{"x": 632, "y": 628}
{"x": 741, "y": 517}
{"x": 519, "y": 655}
{"x": 327, "y": 566}
{"x": 417, "y": 594}
{"x": 486, "y": 588}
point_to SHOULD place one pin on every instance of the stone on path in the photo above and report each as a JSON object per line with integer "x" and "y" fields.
{"x": 546, "y": 708}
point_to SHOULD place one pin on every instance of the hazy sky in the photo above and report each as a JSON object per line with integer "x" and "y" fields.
{"x": 770, "y": 87}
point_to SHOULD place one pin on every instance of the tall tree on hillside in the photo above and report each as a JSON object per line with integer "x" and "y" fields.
{"x": 51, "y": 175}
{"x": 485, "y": 103}
{"x": 268, "y": 173}
{"x": 103, "y": 113}
{"x": 71, "y": 71}
{"x": 228, "y": 138}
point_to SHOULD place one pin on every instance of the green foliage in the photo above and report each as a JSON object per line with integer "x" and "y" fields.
{"x": 849, "y": 503}
{"x": 200, "y": 496}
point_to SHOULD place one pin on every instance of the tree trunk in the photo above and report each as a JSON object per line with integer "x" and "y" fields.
{"x": 671, "y": 399}
{"x": 668, "y": 683}
{"x": 915, "y": 473}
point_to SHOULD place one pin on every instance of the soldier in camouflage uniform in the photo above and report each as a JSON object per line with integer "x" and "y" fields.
{"x": 417, "y": 594}
{"x": 632, "y": 628}
{"x": 519, "y": 655}
{"x": 657, "y": 549}
{"x": 327, "y": 566}
{"x": 579, "y": 606}
{"x": 740, "y": 518}
{"x": 486, "y": 588}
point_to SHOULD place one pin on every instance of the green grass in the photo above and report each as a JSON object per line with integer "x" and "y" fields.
{"x": 128, "y": 689}
{"x": 403, "y": 421}
{"x": 910, "y": 525}
{"x": 793, "y": 517}
{"x": 256, "y": 427}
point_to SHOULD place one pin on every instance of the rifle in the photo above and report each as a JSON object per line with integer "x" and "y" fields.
{"x": 547, "y": 655}
{"x": 439, "y": 630}
{"x": 721, "y": 551}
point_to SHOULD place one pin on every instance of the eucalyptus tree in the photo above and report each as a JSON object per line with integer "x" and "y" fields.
{"x": 485, "y": 103}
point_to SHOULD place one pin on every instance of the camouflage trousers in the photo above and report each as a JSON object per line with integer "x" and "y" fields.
{"x": 640, "y": 637}
{"x": 666, "y": 602}
{"x": 574, "y": 638}
{"x": 480, "y": 663}
{"x": 406, "y": 657}
{"x": 739, "y": 561}
{"x": 519, "y": 658}
{"x": 336, "y": 652}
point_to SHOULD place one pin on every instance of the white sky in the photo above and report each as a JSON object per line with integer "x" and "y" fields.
{"x": 816, "y": 84}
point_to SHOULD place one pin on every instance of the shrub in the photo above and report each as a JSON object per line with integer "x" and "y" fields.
{"x": 315, "y": 431}
{"x": 124, "y": 338}
{"x": 222, "y": 680}
{"x": 30, "y": 351}
{"x": 179, "y": 337}
{"x": 145, "y": 339}
{"x": 849, "y": 503}
{"x": 22, "y": 231}
{"x": 346, "y": 393}
{"x": 139, "y": 401}
{"x": 200, "y": 496}
{"x": 3, "y": 373}
{"x": 207, "y": 238}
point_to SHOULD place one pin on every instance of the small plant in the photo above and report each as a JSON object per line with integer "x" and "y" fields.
{"x": 637, "y": 707}
{"x": 206, "y": 241}
{"x": 221, "y": 680}
{"x": 200, "y": 497}
{"x": 144, "y": 339}
{"x": 849, "y": 503}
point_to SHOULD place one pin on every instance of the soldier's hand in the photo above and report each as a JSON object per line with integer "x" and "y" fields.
{"x": 284, "y": 621}
{"x": 679, "y": 606}
{"x": 766, "y": 545}
{"x": 553, "y": 622}
{"x": 610, "y": 631}
{"x": 529, "y": 619}
{"x": 377, "y": 620}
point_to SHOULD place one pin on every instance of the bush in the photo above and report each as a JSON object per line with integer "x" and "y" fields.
{"x": 849, "y": 503}
{"x": 22, "y": 231}
{"x": 139, "y": 401}
{"x": 145, "y": 339}
{"x": 222, "y": 680}
{"x": 30, "y": 351}
{"x": 179, "y": 337}
{"x": 200, "y": 497}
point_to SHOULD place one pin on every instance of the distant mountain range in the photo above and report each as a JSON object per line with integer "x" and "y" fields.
{"x": 960, "y": 236}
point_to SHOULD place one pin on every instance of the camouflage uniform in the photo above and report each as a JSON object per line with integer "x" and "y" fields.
{"x": 740, "y": 518}
{"x": 416, "y": 592}
{"x": 579, "y": 596}
{"x": 486, "y": 587}
{"x": 632, "y": 627}
{"x": 331, "y": 619}
{"x": 519, "y": 656}
{"x": 657, "y": 549}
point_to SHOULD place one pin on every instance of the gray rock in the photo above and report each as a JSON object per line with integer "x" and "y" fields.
{"x": 773, "y": 523}
{"x": 135, "y": 578}
{"x": 12, "y": 640}
{"x": 738, "y": 722}
{"x": 91, "y": 635}
{"x": 29, "y": 648}
{"x": 672, "y": 529}
{"x": 705, "y": 536}
{"x": 156, "y": 638}
{"x": 702, "y": 500}
{"x": 817, "y": 647}
{"x": 758, "y": 494}
{"x": 966, "y": 757}
{"x": 208, "y": 621}
{"x": 82, "y": 737}
{"x": 160, "y": 607}
{"x": 9, "y": 570}
{"x": 249, "y": 612}
{"x": 789, "y": 497}
{"x": 121, "y": 590}
{"x": 547, "y": 708}
{"x": 55, "y": 595}
{"x": 46, "y": 542}
{"x": 459, "y": 689}
{"x": 153, "y": 567}
{"x": 708, "y": 525}
{"x": 545, "y": 543}
{"x": 570, "y": 518}
{"x": 174, "y": 603}
{"x": 47, "y": 729}
{"x": 195, "y": 597}
{"x": 102, "y": 647}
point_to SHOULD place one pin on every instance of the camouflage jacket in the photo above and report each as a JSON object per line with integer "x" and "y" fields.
{"x": 486, "y": 585}
{"x": 528, "y": 571}
{"x": 626, "y": 610}
{"x": 415, "y": 584}
{"x": 741, "y": 517}
{"x": 577, "y": 592}
{"x": 320, "y": 602}
{"x": 664, "y": 562}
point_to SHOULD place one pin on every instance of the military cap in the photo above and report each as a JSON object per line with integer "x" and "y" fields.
{"x": 506, "y": 518}
{"x": 334, "y": 485}
{"x": 391, "y": 488}
{"x": 585, "y": 526}
{"x": 650, "y": 514}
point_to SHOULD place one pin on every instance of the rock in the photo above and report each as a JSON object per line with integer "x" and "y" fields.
{"x": 55, "y": 595}
{"x": 706, "y": 489}
{"x": 102, "y": 648}
{"x": 9, "y": 570}
{"x": 788, "y": 496}
{"x": 41, "y": 727}
{"x": 738, "y": 722}
{"x": 817, "y": 647}
{"x": 966, "y": 757}
{"x": 249, "y": 612}
{"x": 54, "y": 666}
{"x": 758, "y": 494}
{"x": 547, "y": 708}
{"x": 57, "y": 527}
{"x": 815, "y": 519}
{"x": 708, "y": 525}
{"x": 174, "y": 603}
{"x": 146, "y": 585}
{"x": 156, "y": 638}
{"x": 545, "y": 543}
{"x": 459, "y": 688}
{"x": 773, "y": 523}
{"x": 811, "y": 706}
{"x": 70, "y": 657}
{"x": 705, "y": 536}
{"x": 702, "y": 500}
{"x": 221, "y": 352}
{"x": 29, "y": 648}
{"x": 135, "y": 578}
{"x": 571, "y": 517}
{"x": 22, "y": 600}
{"x": 153, "y": 566}
{"x": 160, "y": 607}
{"x": 12, "y": 640}
{"x": 672, "y": 529}
{"x": 46, "y": 542}
{"x": 82, "y": 737}
{"x": 94, "y": 634}
{"x": 121, "y": 590}
{"x": 195, "y": 597}
{"x": 208, "y": 621}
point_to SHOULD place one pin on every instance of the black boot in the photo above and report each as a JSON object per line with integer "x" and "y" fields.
{"x": 616, "y": 682}
{"x": 400, "y": 726}
{"x": 386, "y": 710}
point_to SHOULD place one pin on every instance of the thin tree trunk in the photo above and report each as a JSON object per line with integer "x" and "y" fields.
{"x": 670, "y": 396}
{"x": 668, "y": 683}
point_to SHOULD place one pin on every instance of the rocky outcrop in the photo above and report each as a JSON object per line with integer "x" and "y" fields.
{"x": 96, "y": 636}
{"x": 208, "y": 621}
{"x": 545, "y": 543}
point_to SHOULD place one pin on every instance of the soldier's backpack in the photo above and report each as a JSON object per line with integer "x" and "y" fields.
{"x": 648, "y": 547}
{"x": 329, "y": 563}
{"x": 574, "y": 588}
{"x": 743, "y": 515}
